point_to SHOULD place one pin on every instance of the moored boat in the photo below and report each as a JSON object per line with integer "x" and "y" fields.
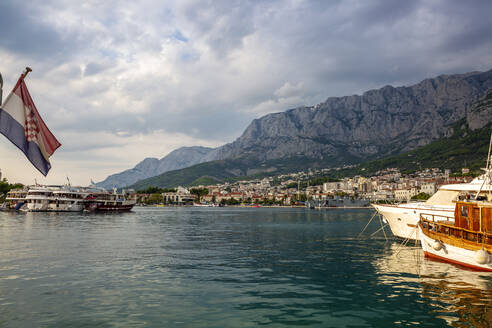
{"x": 55, "y": 199}
{"x": 103, "y": 201}
{"x": 464, "y": 239}
{"x": 15, "y": 199}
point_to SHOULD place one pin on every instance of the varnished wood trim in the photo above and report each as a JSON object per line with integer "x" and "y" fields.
{"x": 454, "y": 241}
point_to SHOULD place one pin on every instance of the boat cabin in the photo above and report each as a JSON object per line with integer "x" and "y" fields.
{"x": 473, "y": 216}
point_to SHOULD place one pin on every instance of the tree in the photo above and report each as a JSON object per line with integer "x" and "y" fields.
{"x": 199, "y": 192}
{"x": 5, "y": 187}
{"x": 421, "y": 196}
{"x": 154, "y": 199}
{"x": 156, "y": 190}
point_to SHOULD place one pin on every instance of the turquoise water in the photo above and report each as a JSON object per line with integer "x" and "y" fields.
{"x": 225, "y": 267}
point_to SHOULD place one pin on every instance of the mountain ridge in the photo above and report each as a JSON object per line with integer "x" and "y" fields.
{"x": 351, "y": 129}
{"x": 149, "y": 167}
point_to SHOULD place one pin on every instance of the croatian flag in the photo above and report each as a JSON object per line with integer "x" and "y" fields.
{"x": 21, "y": 123}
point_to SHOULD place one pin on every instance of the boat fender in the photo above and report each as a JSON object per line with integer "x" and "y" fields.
{"x": 436, "y": 245}
{"x": 482, "y": 256}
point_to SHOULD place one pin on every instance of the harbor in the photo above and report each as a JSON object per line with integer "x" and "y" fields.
{"x": 226, "y": 164}
{"x": 228, "y": 267}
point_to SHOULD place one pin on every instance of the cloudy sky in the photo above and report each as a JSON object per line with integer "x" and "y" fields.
{"x": 118, "y": 81}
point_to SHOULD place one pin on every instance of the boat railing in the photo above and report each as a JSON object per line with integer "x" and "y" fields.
{"x": 436, "y": 217}
{"x": 448, "y": 228}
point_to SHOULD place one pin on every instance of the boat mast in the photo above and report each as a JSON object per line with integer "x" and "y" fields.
{"x": 488, "y": 170}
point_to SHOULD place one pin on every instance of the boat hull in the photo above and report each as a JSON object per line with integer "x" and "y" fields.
{"x": 403, "y": 220}
{"x": 53, "y": 208}
{"x": 101, "y": 207}
{"x": 451, "y": 253}
{"x": 113, "y": 208}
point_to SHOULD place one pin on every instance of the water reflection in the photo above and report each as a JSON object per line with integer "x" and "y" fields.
{"x": 461, "y": 297}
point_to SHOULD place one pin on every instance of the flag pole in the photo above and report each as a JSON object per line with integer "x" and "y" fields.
{"x": 28, "y": 69}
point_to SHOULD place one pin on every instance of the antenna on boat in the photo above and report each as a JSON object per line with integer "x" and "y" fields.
{"x": 488, "y": 170}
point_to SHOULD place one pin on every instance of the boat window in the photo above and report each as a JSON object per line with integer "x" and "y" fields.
{"x": 464, "y": 211}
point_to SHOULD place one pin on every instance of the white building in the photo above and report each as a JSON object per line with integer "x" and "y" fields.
{"x": 405, "y": 194}
{"x": 181, "y": 196}
{"x": 428, "y": 188}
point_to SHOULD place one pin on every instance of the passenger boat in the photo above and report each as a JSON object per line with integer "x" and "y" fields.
{"x": 103, "y": 201}
{"x": 465, "y": 239}
{"x": 15, "y": 198}
{"x": 55, "y": 199}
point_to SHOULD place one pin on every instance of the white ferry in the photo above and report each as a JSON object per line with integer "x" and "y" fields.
{"x": 55, "y": 199}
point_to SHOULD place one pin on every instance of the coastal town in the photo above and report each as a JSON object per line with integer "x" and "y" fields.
{"x": 307, "y": 188}
{"x": 388, "y": 185}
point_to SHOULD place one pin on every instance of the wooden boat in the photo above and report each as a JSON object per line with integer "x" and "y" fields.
{"x": 465, "y": 239}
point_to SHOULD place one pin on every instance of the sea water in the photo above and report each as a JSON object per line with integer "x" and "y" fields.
{"x": 226, "y": 267}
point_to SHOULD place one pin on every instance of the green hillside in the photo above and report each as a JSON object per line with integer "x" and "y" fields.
{"x": 465, "y": 148}
{"x": 228, "y": 170}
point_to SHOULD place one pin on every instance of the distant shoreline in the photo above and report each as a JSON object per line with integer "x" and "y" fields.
{"x": 266, "y": 206}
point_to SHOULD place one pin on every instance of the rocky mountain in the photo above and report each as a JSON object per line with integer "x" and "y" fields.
{"x": 380, "y": 122}
{"x": 462, "y": 148}
{"x": 149, "y": 167}
{"x": 480, "y": 113}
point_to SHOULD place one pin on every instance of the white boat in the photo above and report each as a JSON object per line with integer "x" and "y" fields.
{"x": 403, "y": 218}
{"x": 55, "y": 199}
{"x": 204, "y": 205}
{"x": 465, "y": 239}
{"x": 16, "y": 198}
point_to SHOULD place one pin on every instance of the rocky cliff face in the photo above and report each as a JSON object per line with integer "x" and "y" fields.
{"x": 380, "y": 122}
{"x": 480, "y": 113}
{"x": 149, "y": 167}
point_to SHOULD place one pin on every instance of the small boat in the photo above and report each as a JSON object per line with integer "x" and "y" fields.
{"x": 465, "y": 239}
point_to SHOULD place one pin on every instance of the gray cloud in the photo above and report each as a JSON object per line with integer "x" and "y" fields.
{"x": 21, "y": 30}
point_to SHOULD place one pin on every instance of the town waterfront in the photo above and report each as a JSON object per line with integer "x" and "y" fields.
{"x": 225, "y": 267}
